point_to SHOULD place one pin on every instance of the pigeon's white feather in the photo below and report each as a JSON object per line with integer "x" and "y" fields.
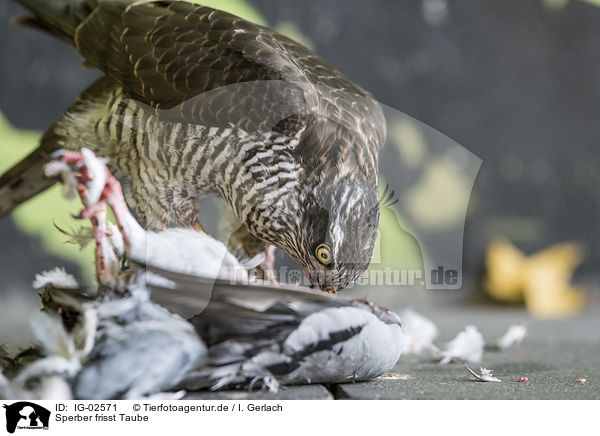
{"x": 485, "y": 376}
{"x": 186, "y": 251}
{"x": 467, "y": 345}
{"x": 52, "y": 365}
{"x": 56, "y": 277}
{"x": 52, "y": 336}
{"x": 419, "y": 332}
{"x": 513, "y": 336}
{"x": 54, "y": 388}
{"x": 81, "y": 237}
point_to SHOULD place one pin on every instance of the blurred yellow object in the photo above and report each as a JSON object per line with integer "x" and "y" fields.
{"x": 504, "y": 272}
{"x": 542, "y": 280}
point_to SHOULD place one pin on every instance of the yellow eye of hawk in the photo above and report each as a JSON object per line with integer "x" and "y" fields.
{"x": 323, "y": 254}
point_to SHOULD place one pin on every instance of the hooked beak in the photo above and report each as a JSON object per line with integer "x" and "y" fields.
{"x": 314, "y": 282}
{"x": 330, "y": 289}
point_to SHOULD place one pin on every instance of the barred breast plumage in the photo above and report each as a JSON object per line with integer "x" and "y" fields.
{"x": 198, "y": 101}
{"x": 168, "y": 164}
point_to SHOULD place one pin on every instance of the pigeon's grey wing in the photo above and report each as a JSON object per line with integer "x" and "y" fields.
{"x": 188, "y": 293}
{"x": 233, "y": 310}
{"x": 334, "y": 345}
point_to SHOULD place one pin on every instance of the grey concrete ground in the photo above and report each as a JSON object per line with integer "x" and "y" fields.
{"x": 308, "y": 392}
{"x": 553, "y": 357}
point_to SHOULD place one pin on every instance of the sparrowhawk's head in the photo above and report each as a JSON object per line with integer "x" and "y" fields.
{"x": 339, "y": 204}
{"x": 330, "y": 220}
{"x": 331, "y": 230}
{"x": 338, "y": 230}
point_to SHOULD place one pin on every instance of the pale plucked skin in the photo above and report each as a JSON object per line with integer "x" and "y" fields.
{"x": 188, "y": 252}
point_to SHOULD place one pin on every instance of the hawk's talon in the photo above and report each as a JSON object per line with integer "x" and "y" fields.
{"x": 67, "y": 156}
{"x": 57, "y": 155}
{"x": 92, "y": 210}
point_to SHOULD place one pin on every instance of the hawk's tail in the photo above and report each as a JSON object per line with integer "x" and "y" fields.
{"x": 26, "y": 178}
{"x": 59, "y": 17}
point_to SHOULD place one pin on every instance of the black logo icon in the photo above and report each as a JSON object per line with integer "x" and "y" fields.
{"x": 26, "y": 415}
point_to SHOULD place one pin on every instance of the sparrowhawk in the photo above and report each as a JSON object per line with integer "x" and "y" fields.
{"x": 196, "y": 101}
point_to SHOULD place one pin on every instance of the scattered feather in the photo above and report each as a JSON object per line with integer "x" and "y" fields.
{"x": 394, "y": 376}
{"x": 63, "y": 357}
{"x": 486, "y": 374}
{"x": 57, "y": 278}
{"x": 53, "y": 365}
{"x": 250, "y": 263}
{"x": 63, "y": 171}
{"x": 80, "y": 237}
{"x": 466, "y": 346}
{"x": 419, "y": 332}
{"x": 513, "y": 336}
{"x": 157, "y": 280}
